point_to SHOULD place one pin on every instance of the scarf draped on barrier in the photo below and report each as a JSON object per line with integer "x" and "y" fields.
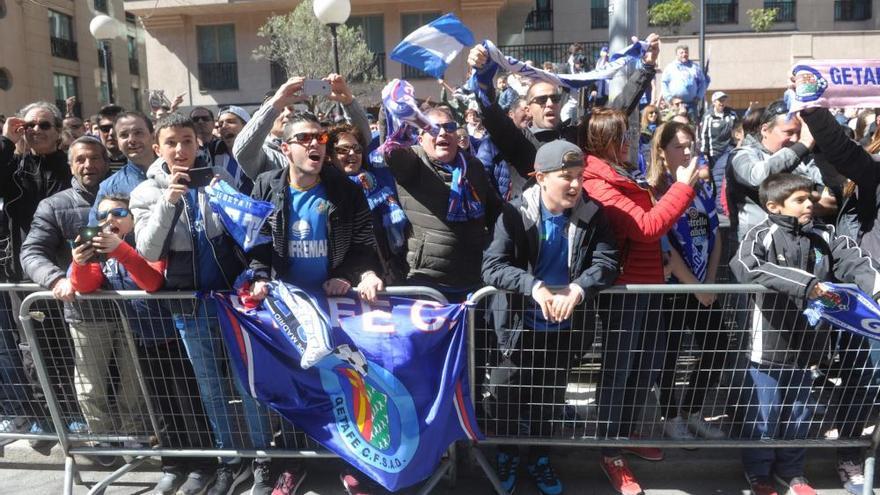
{"x": 836, "y": 83}
{"x": 846, "y": 308}
{"x": 390, "y": 396}
{"x": 497, "y": 60}
{"x": 242, "y": 216}
{"x": 403, "y": 118}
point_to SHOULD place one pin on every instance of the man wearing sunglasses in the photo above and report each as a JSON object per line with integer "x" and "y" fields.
{"x": 519, "y": 146}
{"x": 782, "y": 144}
{"x": 203, "y": 118}
{"x": 255, "y": 147}
{"x": 106, "y": 117}
{"x": 451, "y": 206}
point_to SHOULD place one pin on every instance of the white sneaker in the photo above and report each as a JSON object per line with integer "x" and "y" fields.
{"x": 677, "y": 429}
{"x": 16, "y": 425}
{"x": 701, "y": 427}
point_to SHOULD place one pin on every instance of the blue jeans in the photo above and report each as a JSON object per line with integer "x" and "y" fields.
{"x": 778, "y": 406}
{"x": 719, "y": 168}
{"x": 202, "y": 337}
{"x": 14, "y": 394}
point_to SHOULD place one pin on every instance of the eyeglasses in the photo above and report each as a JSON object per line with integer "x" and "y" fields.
{"x": 542, "y": 100}
{"x": 774, "y": 110}
{"x": 449, "y": 127}
{"x": 344, "y": 149}
{"x": 202, "y": 118}
{"x": 307, "y": 137}
{"x": 116, "y": 212}
{"x": 106, "y": 128}
{"x": 44, "y": 125}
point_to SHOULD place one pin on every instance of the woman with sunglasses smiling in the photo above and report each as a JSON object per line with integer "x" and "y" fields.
{"x": 389, "y": 221}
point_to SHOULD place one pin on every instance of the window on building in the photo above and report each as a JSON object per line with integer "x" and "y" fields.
{"x": 785, "y": 9}
{"x": 218, "y": 66}
{"x": 277, "y": 74}
{"x": 134, "y": 67}
{"x": 130, "y": 18}
{"x": 540, "y": 19}
{"x": 5, "y": 79}
{"x": 65, "y": 87}
{"x": 599, "y": 14}
{"x": 2, "y": 9}
{"x": 373, "y": 27}
{"x": 136, "y": 98}
{"x": 61, "y": 35}
{"x": 102, "y": 6}
{"x": 408, "y": 24}
{"x": 722, "y": 11}
{"x": 852, "y": 10}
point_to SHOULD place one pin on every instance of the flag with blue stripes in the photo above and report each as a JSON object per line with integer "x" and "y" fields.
{"x": 389, "y": 397}
{"x": 432, "y": 47}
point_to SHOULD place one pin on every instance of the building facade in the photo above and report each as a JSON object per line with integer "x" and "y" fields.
{"x": 747, "y": 65}
{"x": 205, "y": 47}
{"x": 49, "y": 54}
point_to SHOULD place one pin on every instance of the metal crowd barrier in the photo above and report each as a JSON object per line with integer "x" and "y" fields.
{"x": 133, "y": 392}
{"x": 599, "y": 383}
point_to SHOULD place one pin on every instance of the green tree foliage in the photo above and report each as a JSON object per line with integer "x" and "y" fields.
{"x": 302, "y": 45}
{"x": 671, "y": 14}
{"x": 762, "y": 19}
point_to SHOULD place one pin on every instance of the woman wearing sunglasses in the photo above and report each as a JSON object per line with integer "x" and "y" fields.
{"x": 389, "y": 222}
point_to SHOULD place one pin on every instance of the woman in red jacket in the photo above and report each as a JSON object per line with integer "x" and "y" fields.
{"x": 639, "y": 221}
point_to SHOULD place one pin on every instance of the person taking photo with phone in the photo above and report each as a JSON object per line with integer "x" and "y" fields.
{"x": 174, "y": 222}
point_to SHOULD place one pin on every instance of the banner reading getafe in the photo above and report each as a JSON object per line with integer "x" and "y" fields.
{"x": 391, "y": 396}
{"x": 836, "y": 83}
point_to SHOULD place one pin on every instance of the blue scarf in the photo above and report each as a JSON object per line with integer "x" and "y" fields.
{"x": 242, "y": 216}
{"x": 848, "y": 309}
{"x": 381, "y": 192}
{"x": 464, "y": 203}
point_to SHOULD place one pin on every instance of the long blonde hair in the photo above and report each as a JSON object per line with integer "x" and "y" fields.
{"x": 657, "y": 171}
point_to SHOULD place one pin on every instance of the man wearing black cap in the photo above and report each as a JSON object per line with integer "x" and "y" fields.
{"x": 553, "y": 249}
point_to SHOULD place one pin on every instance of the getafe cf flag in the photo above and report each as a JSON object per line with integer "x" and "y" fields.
{"x": 847, "y": 308}
{"x": 391, "y": 396}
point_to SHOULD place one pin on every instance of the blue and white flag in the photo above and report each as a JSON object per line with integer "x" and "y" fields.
{"x": 498, "y": 60}
{"x": 391, "y": 396}
{"x": 242, "y": 216}
{"x": 846, "y": 308}
{"x": 431, "y": 48}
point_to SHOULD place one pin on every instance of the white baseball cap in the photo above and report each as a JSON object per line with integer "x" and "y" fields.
{"x": 718, "y": 95}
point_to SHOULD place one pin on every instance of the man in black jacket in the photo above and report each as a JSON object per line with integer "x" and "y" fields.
{"x": 554, "y": 249}
{"x": 449, "y": 233}
{"x": 518, "y": 146}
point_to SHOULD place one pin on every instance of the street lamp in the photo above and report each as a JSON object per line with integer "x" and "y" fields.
{"x": 333, "y": 13}
{"x": 104, "y": 28}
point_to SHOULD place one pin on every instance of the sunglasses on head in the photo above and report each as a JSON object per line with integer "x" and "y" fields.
{"x": 344, "y": 149}
{"x": 774, "y": 110}
{"x": 202, "y": 118}
{"x": 307, "y": 137}
{"x": 106, "y": 128}
{"x": 542, "y": 100}
{"x": 44, "y": 125}
{"x": 116, "y": 212}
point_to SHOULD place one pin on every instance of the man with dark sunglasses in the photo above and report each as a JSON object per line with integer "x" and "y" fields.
{"x": 203, "y": 118}
{"x": 258, "y": 146}
{"x": 782, "y": 144}
{"x": 106, "y": 117}
{"x": 519, "y": 146}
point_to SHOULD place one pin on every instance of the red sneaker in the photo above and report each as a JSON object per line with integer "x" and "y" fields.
{"x": 622, "y": 479}
{"x": 761, "y": 485}
{"x": 646, "y": 453}
{"x": 357, "y": 483}
{"x": 289, "y": 481}
{"x": 797, "y": 486}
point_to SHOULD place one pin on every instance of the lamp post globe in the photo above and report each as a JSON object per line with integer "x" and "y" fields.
{"x": 332, "y": 11}
{"x": 105, "y": 28}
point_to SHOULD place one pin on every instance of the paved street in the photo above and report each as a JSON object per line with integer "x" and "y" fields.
{"x": 703, "y": 471}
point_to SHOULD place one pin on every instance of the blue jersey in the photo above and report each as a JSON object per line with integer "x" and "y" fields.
{"x": 307, "y": 238}
{"x": 693, "y": 235}
{"x": 551, "y": 267}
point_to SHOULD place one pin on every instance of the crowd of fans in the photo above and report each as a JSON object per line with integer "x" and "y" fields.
{"x": 514, "y": 190}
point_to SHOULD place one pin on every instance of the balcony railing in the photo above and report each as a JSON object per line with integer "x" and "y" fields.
{"x": 553, "y": 52}
{"x": 134, "y": 66}
{"x": 218, "y": 75}
{"x": 379, "y": 64}
{"x": 539, "y": 20}
{"x": 852, "y": 10}
{"x": 721, "y": 13}
{"x": 785, "y": 11}
{"x": 277, "y": 74}
{"x": 63, "y": 48}
{"x": 410, "y": 72}
{"x": 599, "y": 17}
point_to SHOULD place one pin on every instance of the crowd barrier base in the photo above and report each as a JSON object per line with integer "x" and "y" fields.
{"x": 136, "y": 395}
{"x": 638, "y": 361}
